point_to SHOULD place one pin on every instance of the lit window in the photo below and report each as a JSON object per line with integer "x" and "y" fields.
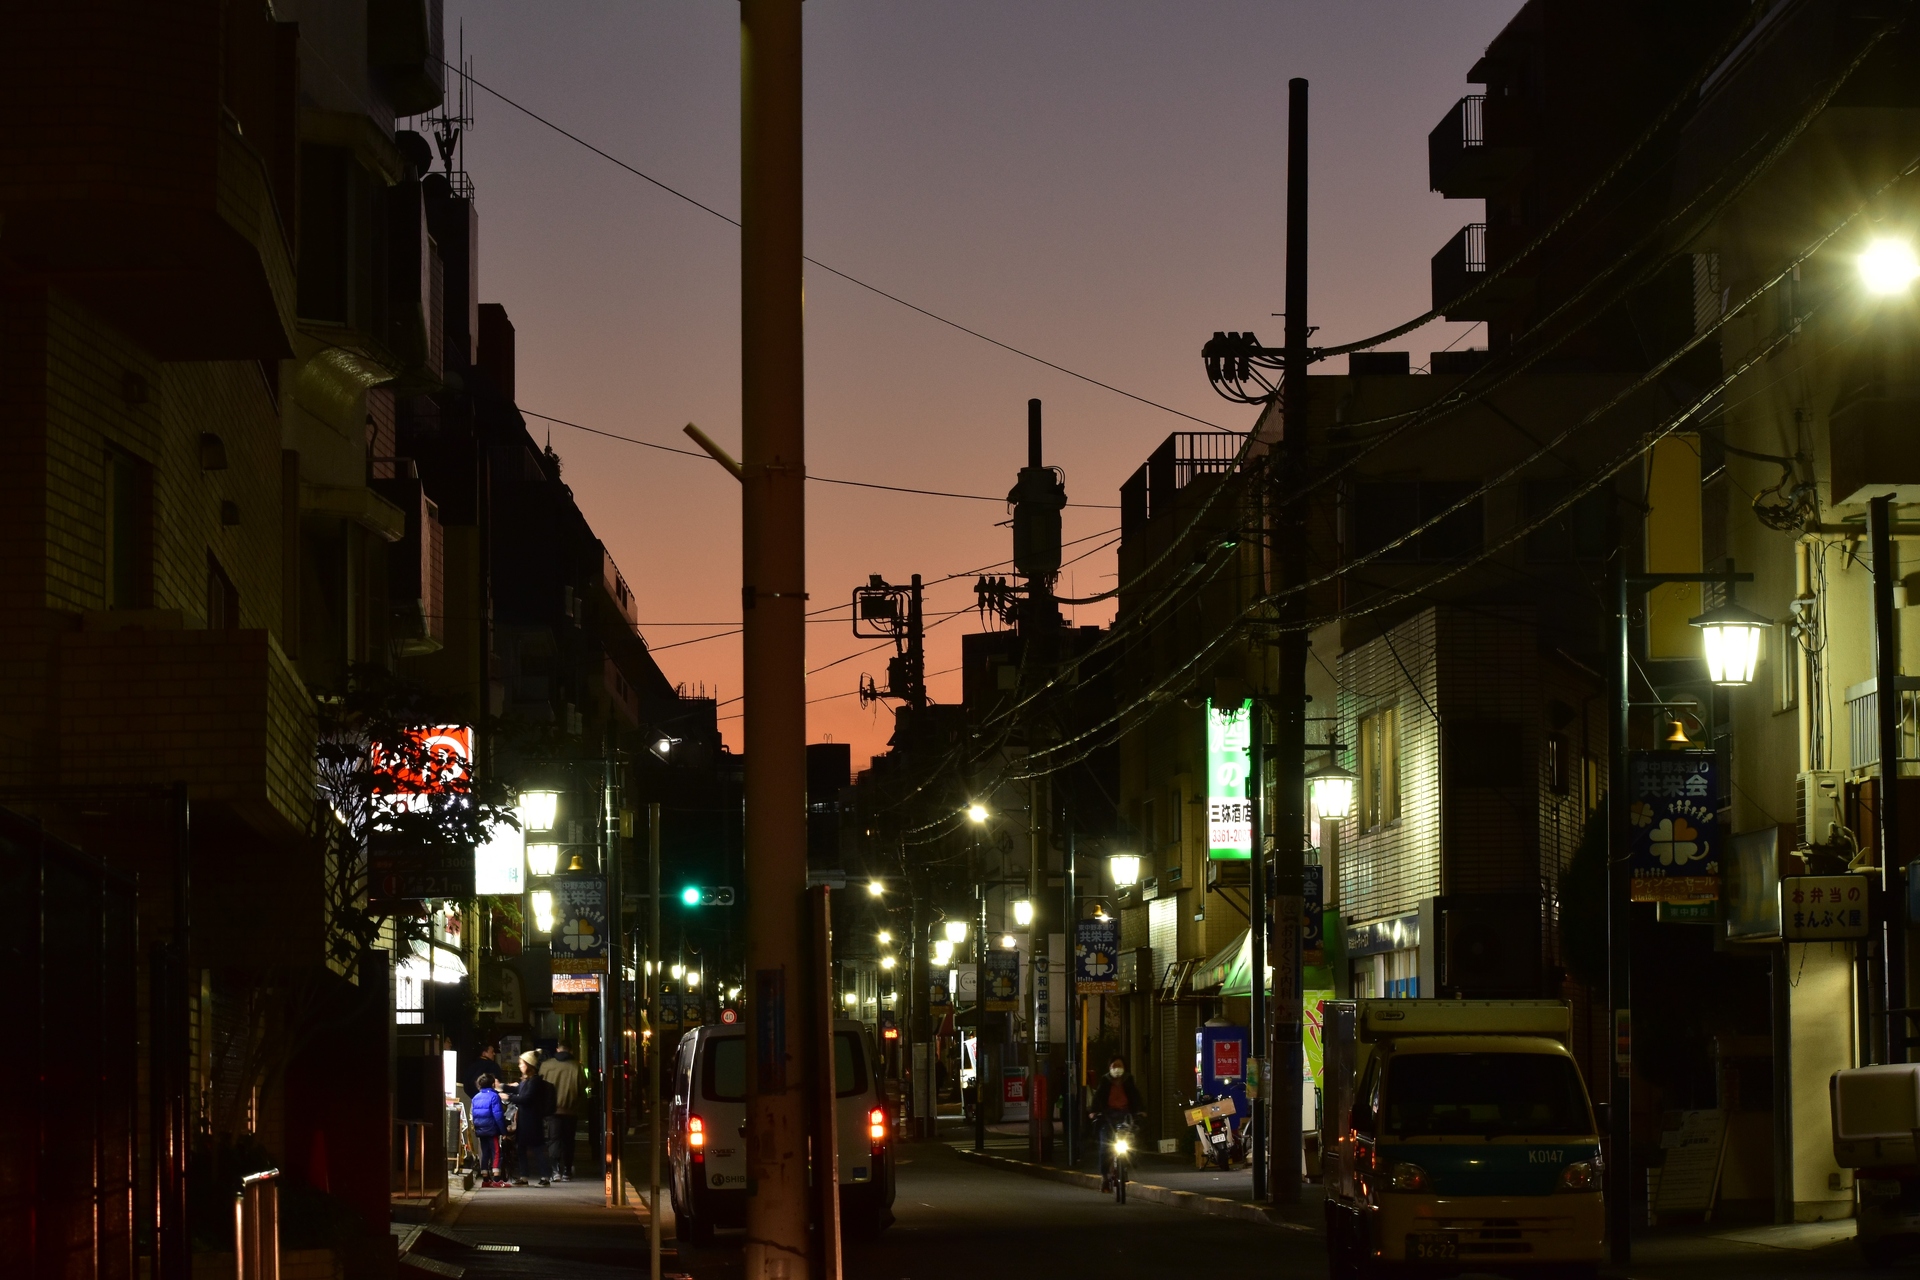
{"x": 1379, "y": 768}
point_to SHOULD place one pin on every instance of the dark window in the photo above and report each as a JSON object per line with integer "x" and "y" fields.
{"x": 336, "y": 237}
{"x": 1485, "y": 1095}
{"x": 1386, "y": 511}
{"x": 129, "y": 531}
{"x": 724, "y": 1077}
{"x": 1364, "y": 1100}
{"x": 1578, "y": 533}
{"x": 1558, "y": 774}
{"x": 849, "y": 1065}
{"x": 223, "y": 599}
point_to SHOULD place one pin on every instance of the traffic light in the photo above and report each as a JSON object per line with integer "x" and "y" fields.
{"x": 707, "y": 895}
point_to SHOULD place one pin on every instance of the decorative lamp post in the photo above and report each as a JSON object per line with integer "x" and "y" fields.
{"x": 1332, "y": 790}
{"x": 1124, "y": 868}
{"x": 1731, "y": 636}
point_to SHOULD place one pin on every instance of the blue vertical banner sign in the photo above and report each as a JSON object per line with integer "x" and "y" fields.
{"x": 1673, "y": 826}
{"x": 1229, "y": 812}
{"x": 579, "y": 942}
{"x": 1096, "y": 957}
{"x": 1313, "y": 944}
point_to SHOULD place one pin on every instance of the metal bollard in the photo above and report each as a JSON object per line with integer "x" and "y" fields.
{"x": 256, "y": 1227}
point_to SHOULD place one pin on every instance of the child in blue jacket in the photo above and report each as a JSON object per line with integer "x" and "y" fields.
{"x": 489, "y": 1122}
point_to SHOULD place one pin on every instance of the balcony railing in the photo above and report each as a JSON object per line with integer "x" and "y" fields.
{"x": 1459, "y": 266}
{"x": 1182, "y": 456}
{"x": 1463, "y": 162}
{"x": 1863, "y": 724}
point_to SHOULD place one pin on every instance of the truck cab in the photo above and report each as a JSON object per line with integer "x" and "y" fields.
{"x": 1457, "y": 1136}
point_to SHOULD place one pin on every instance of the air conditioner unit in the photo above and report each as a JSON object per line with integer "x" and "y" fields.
{"x": 1817, "y": 801}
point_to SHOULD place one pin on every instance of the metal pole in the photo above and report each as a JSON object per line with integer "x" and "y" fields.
{"x": 1619, "y": 1189}
{"x": 656, "y": 1128}
{"x": 1886, "y": 668}
{"x": 1070, "y": 922}
{"x": 920, "y": 1029}
{"x": 773, "y": 604}
{"x": 1257, "y": 939}
{"x": 1290, "y": 710}
{"x": 979, "y": 1002}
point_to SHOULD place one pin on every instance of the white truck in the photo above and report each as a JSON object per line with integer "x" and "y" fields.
{"x": 1457, "y": 1135}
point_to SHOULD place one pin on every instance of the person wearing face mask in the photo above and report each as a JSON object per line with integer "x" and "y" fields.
{"x": 1115, "y": 1099}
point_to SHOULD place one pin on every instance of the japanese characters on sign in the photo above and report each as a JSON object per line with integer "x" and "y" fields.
{"x": 1673, "y": 826}
{"x": 1229, "y": 812}
{"x": 1823, "y": 908}
{"x": 579, "y": 926}
{"x": 1096, "y": 957}
{"x": 1003, "y": 980}
{"x": 1313, "y": 942}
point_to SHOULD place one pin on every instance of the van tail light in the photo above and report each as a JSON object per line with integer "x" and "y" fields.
{"x": 877, "y": 1125}
{"x": 697, "y": 1139}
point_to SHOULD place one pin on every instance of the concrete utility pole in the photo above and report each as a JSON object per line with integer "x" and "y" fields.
{"x": 773, "y": 608}
{"x": 1290, "y": 698}
{"x": 1886, "y": 667}
{"x": 657, "y": 1047}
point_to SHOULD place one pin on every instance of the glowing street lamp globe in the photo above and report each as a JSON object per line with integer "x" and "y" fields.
{"x": 1731, "y": 636}
{"x": 956, "y": 931}
{"x": 1124, "y": 868}
{"x": 1888, "y": 266}
{"x": 976, "y": 812}
{"x": 1023, "y": 913}
{"x": 1332, "y": 791}
{"x": 942, "y": 953}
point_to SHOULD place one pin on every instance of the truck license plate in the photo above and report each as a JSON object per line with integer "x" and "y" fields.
{"x": 1433, "y": 1247}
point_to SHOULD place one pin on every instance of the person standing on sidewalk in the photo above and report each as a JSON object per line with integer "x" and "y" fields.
{"x": 534, "y": 1097}
{"x": 563, "y": 1073}
{"x": 489, "y": 1122}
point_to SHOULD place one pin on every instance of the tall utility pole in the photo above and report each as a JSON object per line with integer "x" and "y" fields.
{"x": 773, "y": 609}
{"x": 1257, "y": 936}
{"x": 1290, "y": 697}
{"x": 656, "y": 1129}
{"x": 1886, "y": 667}
{"x": 926, "y": 1099}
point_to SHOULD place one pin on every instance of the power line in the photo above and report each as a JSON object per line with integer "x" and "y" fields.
{"x": 860, "y": 484}
{"x": 531, "y": 114}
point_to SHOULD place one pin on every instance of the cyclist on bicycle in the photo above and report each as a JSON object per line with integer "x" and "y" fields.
{"x": 1116, "y": 1102}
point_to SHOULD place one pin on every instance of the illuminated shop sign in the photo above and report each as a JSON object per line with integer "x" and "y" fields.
{"x": 430, "y": 761}
{"x": 1229, "y": 812}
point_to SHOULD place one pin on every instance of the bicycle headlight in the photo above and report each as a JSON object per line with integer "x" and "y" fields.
{"x": 1120, "y": 1145}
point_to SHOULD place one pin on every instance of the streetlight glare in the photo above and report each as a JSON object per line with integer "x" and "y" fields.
{"x": 1332, "y": 789}
{"x": 1125, "y": 868}
{"x": 956, "y": 931}
{"x": 977, "y": 812}
{"x": 886, "y": 962}
{"x": 885, "y": 937}
{"x": 538, "y": 809}
{"x": 693, "y": 977}
{"x": 942, "y": 953}
{"x": 1007, "y": 941}
{"x": 875, "y": 888}
{"x": 1023, "y": 912}
{"x": 1888, "y": 266}
{"x": 1731, "y": 638}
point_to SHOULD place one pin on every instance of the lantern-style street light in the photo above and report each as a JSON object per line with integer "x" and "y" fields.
{"x": 1332, "y": 790}
{"x": 1731, "y": 636}
{"x": 1124, "y": 868}
{"x": 956, "y": 932}
{"x": 1023, "y": 912}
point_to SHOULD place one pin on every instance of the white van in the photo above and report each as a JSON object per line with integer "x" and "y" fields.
{"x": 707, "y": 1121}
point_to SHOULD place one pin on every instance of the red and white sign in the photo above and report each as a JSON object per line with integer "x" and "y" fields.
{"x": 1013, "y": 1088}
{"x": 1226, "y": 1059}
{"x": 729, "y": 1017}
{"x": 437, "y": 760}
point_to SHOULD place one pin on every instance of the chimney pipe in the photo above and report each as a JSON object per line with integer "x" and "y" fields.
{"x": 1033, "y": 434}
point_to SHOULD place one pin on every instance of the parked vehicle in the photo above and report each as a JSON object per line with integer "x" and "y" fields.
{"x": 1457, "y": 1135}
{"x": 1219, "y": 1129}
{"x": 707, "y": 1125}
{"x": 1876, "y": 1112}
{"x": 1117, "y": 1159}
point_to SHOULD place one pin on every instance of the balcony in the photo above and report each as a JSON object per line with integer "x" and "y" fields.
{"x": 222, "y": 711}
{"x": 1149, "y": 492}
{"x": 1462, "y": 163}
{"x": 134, "y": 175}
{"x": 1461, "y": 267}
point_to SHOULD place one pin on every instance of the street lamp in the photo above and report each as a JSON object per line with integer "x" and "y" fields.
{"x": 1007, "y": 942}
{"x": 538, "y": 810}
{"x": 1124, "y": 868}
{"x": 886, "y": 962}
{"x": 1332, "y": 790}
{"x": 876, "y": 888}
{"x": 956, "y": 931}
{"x": 942, "y": 953}
{"x": 1731, "y": 636}
{"x": 976, "y": 812}
{"x": 1888, "y": 266}
{"x": 693, "y": 977}
{"x": 677, "y": 970}
{"x": 543, "y": 910}
{"x": 886, "y": 938}
{"x": 543, "y": 859}
{"x": 1023, "y": 912}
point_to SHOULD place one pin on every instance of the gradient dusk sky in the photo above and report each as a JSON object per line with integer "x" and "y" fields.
{"x": 1099, "y": 182}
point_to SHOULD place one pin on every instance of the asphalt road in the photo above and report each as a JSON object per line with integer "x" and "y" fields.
{"x": 960, "y": 1221}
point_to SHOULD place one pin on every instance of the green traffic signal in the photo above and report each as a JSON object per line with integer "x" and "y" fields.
{"x": 690, "y": 896}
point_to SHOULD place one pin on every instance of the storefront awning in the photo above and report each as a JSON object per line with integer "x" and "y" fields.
{"x": 1229, "y": 971}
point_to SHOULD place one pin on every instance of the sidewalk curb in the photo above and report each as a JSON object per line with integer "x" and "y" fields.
{"x": 1192, "y": 1201}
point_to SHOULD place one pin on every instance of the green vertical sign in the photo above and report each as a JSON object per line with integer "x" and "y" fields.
{"x": 1229, "y": 811}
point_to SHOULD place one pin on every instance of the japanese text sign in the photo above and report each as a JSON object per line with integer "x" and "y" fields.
{"x": 1823, "y": 908}
{"x": 1003, "y": 980}
{"x": 1096, "y": 957}
{"x": 1229, "y": 811}
{"x": 1673, "y": 826}
{"x": 579, "y": 926}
